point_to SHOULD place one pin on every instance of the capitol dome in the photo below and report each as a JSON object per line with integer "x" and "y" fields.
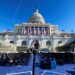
{"x": 37, "y": 18}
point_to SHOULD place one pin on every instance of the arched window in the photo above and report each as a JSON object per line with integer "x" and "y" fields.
{"x": 48, "y": 43}
{"x": 12, "y": 42}
{"x": 35, "y": 43}
{"x": 24, "y": 43}
{"x": 59, "y": 42}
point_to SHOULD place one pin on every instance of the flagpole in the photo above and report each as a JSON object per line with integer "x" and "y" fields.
{"x": 33, "y": 67}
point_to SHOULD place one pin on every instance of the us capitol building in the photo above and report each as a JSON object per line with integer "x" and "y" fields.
{"x": 36, "y": 30}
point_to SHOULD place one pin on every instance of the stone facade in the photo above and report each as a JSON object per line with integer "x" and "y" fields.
{"x": 25, "y": 35}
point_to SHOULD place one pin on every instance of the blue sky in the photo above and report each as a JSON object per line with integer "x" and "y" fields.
{"x": 59, "y": 12}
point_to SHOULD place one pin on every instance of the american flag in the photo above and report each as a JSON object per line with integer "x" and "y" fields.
{"x": 43, "y": 31}
{"x": 32, "y": 30}
{"x": 40, "y": 30}
{"x": 46, "y": 30}
{"x": 36, "y": 30}
{"x": 22, "y": 32}
{"x": 25, "y": 31}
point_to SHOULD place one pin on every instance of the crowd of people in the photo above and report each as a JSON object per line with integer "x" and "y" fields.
{"x": 9, "y": 59}
{"x": 49, "y": 60}
{"x": 61, "y": 58}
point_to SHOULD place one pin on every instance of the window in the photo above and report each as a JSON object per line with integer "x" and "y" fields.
{"x": 12, "y": 42}
{"x": 59, "y": 42}
{"x": 36, "y": 27}
{"x": 48, "y": 43}
{"x": 24, "y": 43}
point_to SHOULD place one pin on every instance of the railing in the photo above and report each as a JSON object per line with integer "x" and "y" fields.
{"x": 6, "y": 48}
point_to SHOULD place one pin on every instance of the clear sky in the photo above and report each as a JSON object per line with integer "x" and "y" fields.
{"x": 59, "y": 12}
